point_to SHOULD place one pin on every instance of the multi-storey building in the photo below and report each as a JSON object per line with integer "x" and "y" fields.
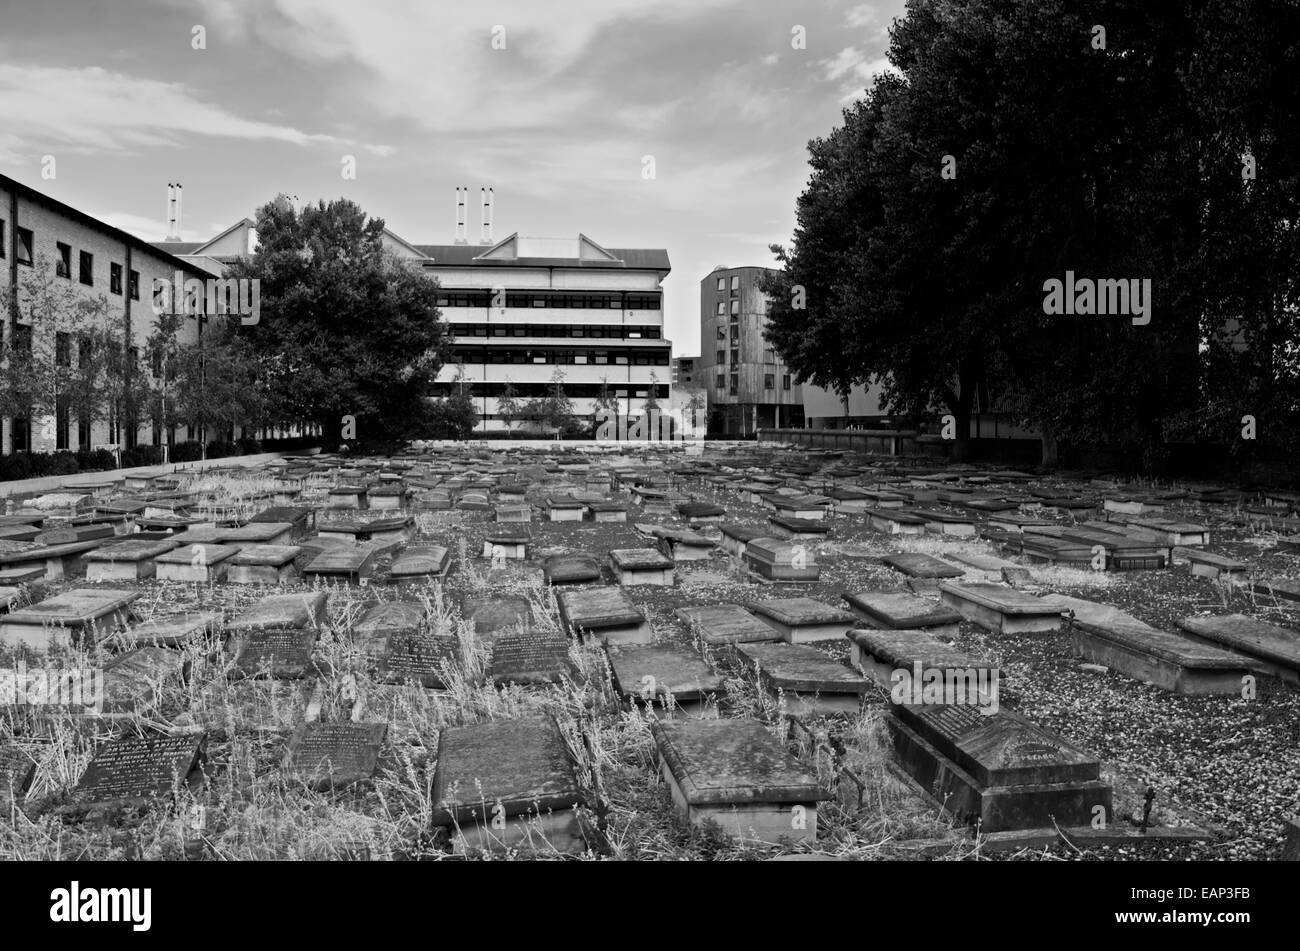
{"x": 96, "y": 261}
{"x": 749, "y": 386}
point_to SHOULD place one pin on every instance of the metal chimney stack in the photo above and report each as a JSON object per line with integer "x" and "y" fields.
{"x": 173, "y": 211}
{"x": 461, "y": 195}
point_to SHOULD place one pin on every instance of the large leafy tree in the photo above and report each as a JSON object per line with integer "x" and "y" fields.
{"x": 345, "y": 329}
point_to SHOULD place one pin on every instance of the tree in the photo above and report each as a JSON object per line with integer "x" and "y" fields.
{"x": 345, "y": 329}
{"x": 555, "y": 410}
{"x": 508, "y": 406}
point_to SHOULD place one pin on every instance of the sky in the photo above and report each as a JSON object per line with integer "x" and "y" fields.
{"x": 562, "y": 108}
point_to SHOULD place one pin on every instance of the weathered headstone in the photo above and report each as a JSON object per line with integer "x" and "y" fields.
{"x": 334, "y": 755}
{"x": 530, "y": 657}
{"x": 725, "y": 624}
{"x": 917, "y": 565}
{"x": 342, "y": 563}
{"x": 1267, "y": 647}
{"x": 781, "y": 560}
{"x": 807, "y": 681}
{"x": 17, "y": 770}
{"x": 603, "y": 612}
{"x": 201, "y": 564}
{"x": 283, "y": 654}
{"x": 427, "y": 659}
{"x": 635, "y": 566}
{"x": 506, "y": 542}
{"x": 1000, "y": 609}
{"x": 881, "y": 654}
{"x": 669, "y": 680}
{"x": 492, "y": 616}
{"x": 129, "y": 560}
{"x": 902, "y": 610}
{"x": 577, "y": 568}
{"x": 258, "y": 533}
{"x": 303, "y": 609}
{"x": 83, "y": 615}
{"x": 507, "y": 783}
{"x": 416, "y": 564}
{"x": 390, "y": 617}
{"x": 132, "y": 771}
{"x": 799, "y": 620}
{"x": 735, "y": 773}
{"x": 133, "y": 681}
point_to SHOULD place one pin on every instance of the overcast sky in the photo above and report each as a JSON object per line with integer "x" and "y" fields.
{"x": 558, "y": 122}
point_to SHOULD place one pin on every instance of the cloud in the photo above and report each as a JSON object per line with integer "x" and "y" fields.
{"x": 90, "y": 109}
{"x": 852, "y": 68}
{"x": 152, "y": 229}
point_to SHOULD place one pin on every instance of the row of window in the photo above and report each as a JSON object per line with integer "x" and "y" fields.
{"x": 63, "y": 265}
{"x": 577, "y": 391}
{"x": 561, "y": 299}
{"x": 623, "y": 332}
{"x": 490, "y": 355}
{"x": 769, "y": 355}
{"x": 769, "y": 382}
{"x": 735, "y": 283}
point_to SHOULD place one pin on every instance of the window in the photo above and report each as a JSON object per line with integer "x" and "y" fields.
{"x": 722, "y": 357}
{"x": 3, "y": 252}
{"x": 24, "y": 245}
{"x": 722, "y": 333}
{"x": 769, "y": 355}
{"x": 722, "y": 283}
{"x": 769, "y": 381}
{"x": 785, "y": 381}
{"x": 602, "y": 356}
{"x": 722, "y": 307}
{"x": 115, "y": 278}
{"x": 735, "y": 333}
{"x": 620, "y": 360}
{"x": 735, "y": 354}
{"x": 61, "y": 423}
{"x": 63, "y": 266}
{"x": 735, "y": 384}
{"x": 62, "y": 350}
{"x": 735, "y": 306}
{"x": 133, "y": 285}
{"x": 86, "y": 267}
{"x": 83, "y": 431}
{"x": 721, "y": 381}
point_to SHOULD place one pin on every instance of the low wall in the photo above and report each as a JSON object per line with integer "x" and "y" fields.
{"x": 886, "y": 442}
{"x": 59, "y": 483}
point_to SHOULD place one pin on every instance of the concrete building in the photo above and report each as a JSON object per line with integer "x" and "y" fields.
{"x": 88, "y": 260}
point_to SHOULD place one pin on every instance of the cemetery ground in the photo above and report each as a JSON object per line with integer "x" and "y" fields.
{"x": 1224, "y": 767}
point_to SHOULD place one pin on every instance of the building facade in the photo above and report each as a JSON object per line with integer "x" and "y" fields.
{"x": 45, "y": 244}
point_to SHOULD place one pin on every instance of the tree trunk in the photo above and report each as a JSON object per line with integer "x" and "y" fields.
{"x": 1051, "y": 450}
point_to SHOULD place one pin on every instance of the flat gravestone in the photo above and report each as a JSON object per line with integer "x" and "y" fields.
{"x": 507, "y": 541}
{"x": 493, "y": 616}
{"x": 263, "y": 564}
{"x": 72, "y": 535}
{"x": 982, "y": 562}
{"x": 173, "y": 630}
{"x": 284, "y": 654}
{"x": 131, "y": 771}
{"x": 128, "y": 560}
{"x": 604, "y": 612}
{"x": 1284, "y": 589}
{"x": 306, "y": 609}
{"x": 903, "y": 610}
{"x": 1001, "y": 609}
{"x": 426, "y": 561}
{"x": 302, "y": 519}
{"x": 507, "y": 783}
{"x": 998, "y": 770}
{"x": 571, "y": 569}
{"x": 726, "y": 624}
{"x": 736, "y": 537}
{"x": 810, "y": 682}
{"x": 530, "y": 657}
{"x": 408, "y": 656}
{"x": 682, "y": 545}
{"x": 917, "y": 565}
{"x": 202, "y": 564}
{"x": 342, "y": 562}
{"x": 799, "y": 620}
{"x": 333, "y": 755}
{"x": 1276, "y": 650}
{"x": 635, "y": 566}
{"x": 80, "y": 615}
{"x": 390, "y": 617}
{"x": 881, "y": 654}
{"x": 133, "y": 681}
{"x": 17, "y": 770}
{"x": 781, "y": 560}
{"x": 259, "y": 533}
{"x": 669, "y": 679}
{"x": 735, "y": 773}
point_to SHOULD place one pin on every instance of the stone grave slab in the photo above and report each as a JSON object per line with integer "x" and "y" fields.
{"x": 901, "y": 610}
{"x": 607, "y": 511}
{"x": 562, "y": 509}
{"x": 507, "y": 783}
{"x": 386, "y": 498}
{"x": 17, "y": 770}
{"x": 1105, "y": 635}
{"x": 799, "y": 620}
{"x": 894, "y": 521}
{"x": 53, "y": 561}
{"x": 636, "y": 566}
{"x": 684, "y": 545}
{"x": 299, "y": 610}
{"x": 172, "y": 630}
{"x": 669, "y": 680}
{"x": 939, "y": 522}
{"x": 798, "y": 529}
{"x": 1172, "y": 532}
{"x": 918, "y": 565}
{"x": 803, "y": 508}
{"x": 128, "y": 560}
{"x": 735, "y": 773}
{"x": 258, "y": 533}
{"x": 514, "y": 513}
{"x": 301, "y": 518}
{"x": 1269, "y": 648}
{"x": 1206, "y": 564}
{"x": 782, "y": 560}
{"x": 18, "y": 533}
{"x": 725, "y": 624}
{"x": 264, "y": 564}
{"x": 805, "y": 679}
{"x": 9, "y": 597}
{"x": 420, "y": 563}
{"x": 1011, "y": 522}
{"x": 283, "y": 654}
{"x": 79, "y": 616}
{"x": 605, "y": 613}
{"x": 1283, "y": 589}
{"x": 579, "y": 568}
{"x": 1132, "y": 505}
{"x": 390, "y": 617}
{"x": 736, "y": 537}
{"x": 507, "y": 542}
{"x": 342, "y": 563}
{"x": 200, "y": 564}
{"x": 74, "y": 534}
{"x": 133, "y": 771}
{"x": 881, "y": 653}
{"x": 410, "y": 656}
{"x": 980, "y": 562}
{"x": 334, "y": 755}
{"x": 1044, "y": 549}
{"x": 133, "y": 681}
{"x": 999, "y": 771}
{"x": 496, "y": 615}
{"x": 530, "y": 657}
{"x": 19, "y": 576}
{"x": 1000, "y": 609}
{"x": 701, "y": 513}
